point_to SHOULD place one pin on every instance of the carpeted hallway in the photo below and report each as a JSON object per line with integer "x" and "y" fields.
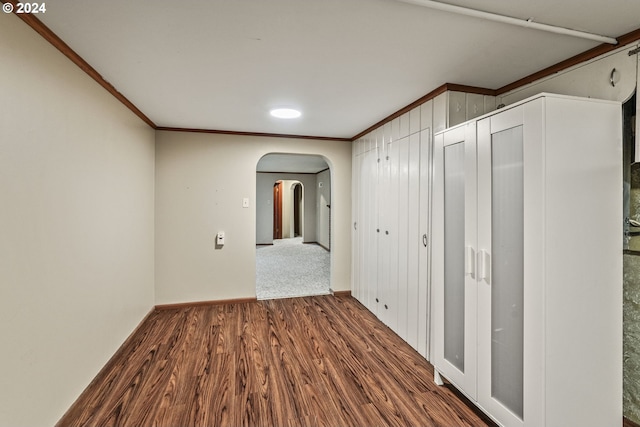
{"x": 290, "y": 268}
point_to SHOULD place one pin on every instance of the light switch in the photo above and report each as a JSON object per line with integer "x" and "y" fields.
{"x": 220, "y": 238}
{"x": 245, "y": 202}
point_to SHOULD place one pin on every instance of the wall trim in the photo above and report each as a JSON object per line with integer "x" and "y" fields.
{"x": 116, "y": 358}
{"x": 59, "y": 44}
{"x": 319, "y": 244}
{"x": 192, "y": 304}
{"x": 341, "y": 294}
{"x": 261, "y": 134}
{"x": 597, "y": 51}
{"x": 39, "y": 27}
{"x": 437, "y": 91}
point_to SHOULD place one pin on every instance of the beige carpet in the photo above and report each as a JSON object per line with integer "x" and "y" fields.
{"x": 290, "y": 268}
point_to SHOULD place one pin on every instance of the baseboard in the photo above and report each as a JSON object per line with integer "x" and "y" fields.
{"x": 108, "y": 366}
{"x": 341, "y": 293}
{"x": 205, "y": 303}
{"x": 319, "y": 244}
{"x": 626, "y": 422}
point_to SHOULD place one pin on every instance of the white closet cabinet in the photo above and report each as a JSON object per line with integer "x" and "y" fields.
{"x": 527, "y": 262}
{"x": 391, "y": 178}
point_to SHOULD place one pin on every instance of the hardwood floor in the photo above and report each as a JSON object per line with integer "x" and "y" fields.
{"x": 314, "y": 361}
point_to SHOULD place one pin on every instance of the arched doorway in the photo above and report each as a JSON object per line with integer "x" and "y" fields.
{"x": 292, "y": 249}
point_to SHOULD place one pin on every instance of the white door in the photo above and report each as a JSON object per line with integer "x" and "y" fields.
{"x": 509, "y": 184}
{"x": 425, "y": 243}
{"x": 402, "y": 231}
{"x": 388, "y": 233}
{"x": 414, "y": 241}
{"x": 370, "y": 237}
{"x": 454, "y": 271}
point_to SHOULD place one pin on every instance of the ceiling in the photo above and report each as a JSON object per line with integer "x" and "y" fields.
{"x": 346, "y": 64}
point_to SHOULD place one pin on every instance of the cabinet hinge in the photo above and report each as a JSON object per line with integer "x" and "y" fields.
{"x": 634, "y": 51}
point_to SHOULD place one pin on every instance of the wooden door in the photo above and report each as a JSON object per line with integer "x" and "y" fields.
{"x": 297, "y": 211}
{"x": 277, "y": 210}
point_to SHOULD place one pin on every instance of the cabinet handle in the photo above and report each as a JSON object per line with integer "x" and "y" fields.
{"x": 484, "y": 266}
{"x": 385, "y": 307}
{"x": 469, "y": 262}
{"x": 425, "y": 241}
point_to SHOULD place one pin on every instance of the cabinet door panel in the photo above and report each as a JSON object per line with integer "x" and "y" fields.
{"x": 507, "y": 275}
{"x": 506, "y": 387}
{"x": 454, "y": 255}
{"x": 426, "y": 243}
{"x": 454, "y": 278}
{"x": 403, "y": 237}
{"x": 414, "y": 240}
{"x": 391, "y": 231}
{"x": 369, "y": 214}
{"x": 357, "y": 222}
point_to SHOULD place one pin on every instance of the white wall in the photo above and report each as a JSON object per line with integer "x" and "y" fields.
{"x": 76, "y": 227}
{"x": 323, "y": 199}
{"x": 264, "y": 205}
{"x": 287, "y": 208}
{"x": 589, "y": 79}
{"x": 201, "y": 180}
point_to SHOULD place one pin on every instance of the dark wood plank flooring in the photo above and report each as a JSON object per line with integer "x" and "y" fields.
{"x": 316, "y": 361}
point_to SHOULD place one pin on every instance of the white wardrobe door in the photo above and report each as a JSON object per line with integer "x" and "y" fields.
{"x": 356, "y": 214}
{"x": 403, "y": 238}
{"x": 501, "y": 287}
{"x": 389, "y": 203}
{"x": 424, "y": 315}
{"x": 454, "y": 255}
{"x": 504, "y": 270}
{"x": 454, "y": 272}
{"x": 414, "y": 241}
{"x": 368, "y": 222}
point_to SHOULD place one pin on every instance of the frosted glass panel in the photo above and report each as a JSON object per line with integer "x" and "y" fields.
{"x": 454, "y": 255}
{"x": 507, "y": 269}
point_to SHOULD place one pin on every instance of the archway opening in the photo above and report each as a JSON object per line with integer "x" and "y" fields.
{"x": 292, "y": 228}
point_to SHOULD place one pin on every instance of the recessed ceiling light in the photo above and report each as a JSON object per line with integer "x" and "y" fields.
{"x": 285, "y": 113}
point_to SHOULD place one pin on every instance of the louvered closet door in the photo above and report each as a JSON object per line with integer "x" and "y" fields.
{"x": 455, "y": 245}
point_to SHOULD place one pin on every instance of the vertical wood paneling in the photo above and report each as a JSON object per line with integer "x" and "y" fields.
{"x": 424, "y": 265}
{"x": 414, "y": 241}
{"x": 403, "y": 237}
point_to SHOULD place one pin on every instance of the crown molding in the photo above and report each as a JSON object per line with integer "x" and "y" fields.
{"x": 59, "y": 44}
{"x": 39, "y": 27}
{"x": 261, "y": 134}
